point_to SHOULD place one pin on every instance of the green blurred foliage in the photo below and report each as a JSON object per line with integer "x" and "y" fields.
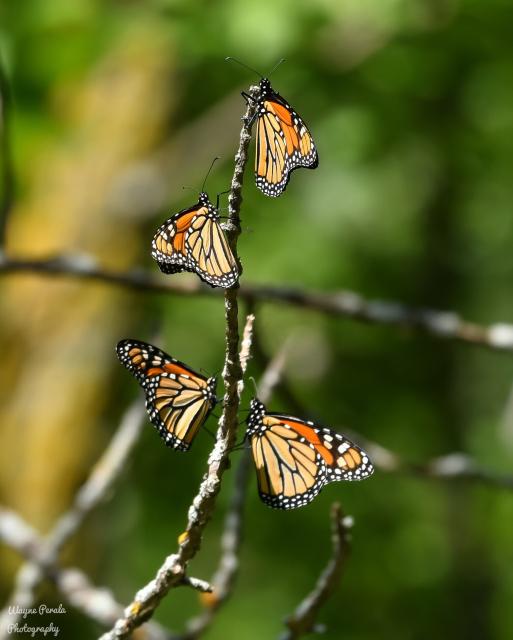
{"x": 411, "y": 106}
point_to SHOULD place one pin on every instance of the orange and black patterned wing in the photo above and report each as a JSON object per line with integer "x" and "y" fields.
{"x": 283, "y": 142}
{"x": 294, "y": 459}
{"x": 192, "y": 240}
{"x": 178, "y": 400}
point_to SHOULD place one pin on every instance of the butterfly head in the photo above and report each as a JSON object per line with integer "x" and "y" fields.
{"x": 265, "y": 86}
{"x": 211, "y": 390}
{"x": 203, "y": 198}
{"x": 256, "y": 412}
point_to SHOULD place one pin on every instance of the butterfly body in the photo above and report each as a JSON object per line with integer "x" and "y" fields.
{"x": 178, "y": 400}
{"x": 192, "y": 240}
{"x": 295, "y": 459}
{"x": 283, "y": 142}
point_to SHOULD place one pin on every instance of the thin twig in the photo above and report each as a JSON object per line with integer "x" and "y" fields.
{"x": 455, "y": 466}
{"x": 302, "y": 621}
{"x": 223, "y": 580}
{"x": 345, "y": 304}
{"x": 103, "y": 475}
{"x": 245, "y": 350}
{"x": 174, "y": 567}
{"x": 6, "y": 165}
{"x": 225, "y": 575}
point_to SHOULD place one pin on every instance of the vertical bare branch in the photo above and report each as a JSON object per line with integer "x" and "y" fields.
{"x": 302, "y": 621}
{"x": 232, "y": 371}
{"x": 225, "y": 576}
{"x": 172, "y": 572}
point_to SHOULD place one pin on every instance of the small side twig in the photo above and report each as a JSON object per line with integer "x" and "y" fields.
{"x": 303, "y": 620}
{"x": 245, "y": 349}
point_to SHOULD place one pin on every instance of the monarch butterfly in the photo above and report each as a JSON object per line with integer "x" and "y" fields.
{"x": 283, "y": 141}
{"x": 178, "y": 400}
{"x": 294, "y": 459}
{"x": 192, "y": 240}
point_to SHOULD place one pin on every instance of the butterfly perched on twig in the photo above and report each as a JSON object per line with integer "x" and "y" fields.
{"x": 192, "y": 240}
{"x": 295, "y": 459}
{"x": 283, "y": 141}
{"x": 178, "y": 400}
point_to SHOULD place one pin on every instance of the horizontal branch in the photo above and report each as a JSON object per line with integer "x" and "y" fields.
{"x": 345, "y": 304}
{"x": 452, "y": 466}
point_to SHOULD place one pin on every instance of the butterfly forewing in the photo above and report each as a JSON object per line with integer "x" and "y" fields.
{"x": 294, "y": 459}
{"x": 192, "y": 240}
{"x": 178, "y": 400}
{"x": 283, "y": 142}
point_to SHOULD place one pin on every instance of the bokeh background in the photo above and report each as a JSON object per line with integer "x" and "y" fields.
{"x": 116, "y": 105}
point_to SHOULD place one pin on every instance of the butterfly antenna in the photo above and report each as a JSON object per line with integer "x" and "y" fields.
{"x": 254, "y": 384}
{"x": 208, "y": 172}
{"x": 229, "y": 58}
{"x": 275, "y": 67}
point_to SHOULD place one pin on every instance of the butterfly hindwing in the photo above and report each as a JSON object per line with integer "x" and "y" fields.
{"x": 349, "y": 462}
{"x": 178, "y": 400}
{"x": 192, "y": 240}
{"x": 283, "y": 142}
{"x": 294, "y": 458}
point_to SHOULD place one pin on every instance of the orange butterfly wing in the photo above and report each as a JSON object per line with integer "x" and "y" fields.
{"x": 178, "y": 400}
{"x": 283, "y": 142}
{"x": 295, "y": 459}
{"x": 192, "y": 240}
